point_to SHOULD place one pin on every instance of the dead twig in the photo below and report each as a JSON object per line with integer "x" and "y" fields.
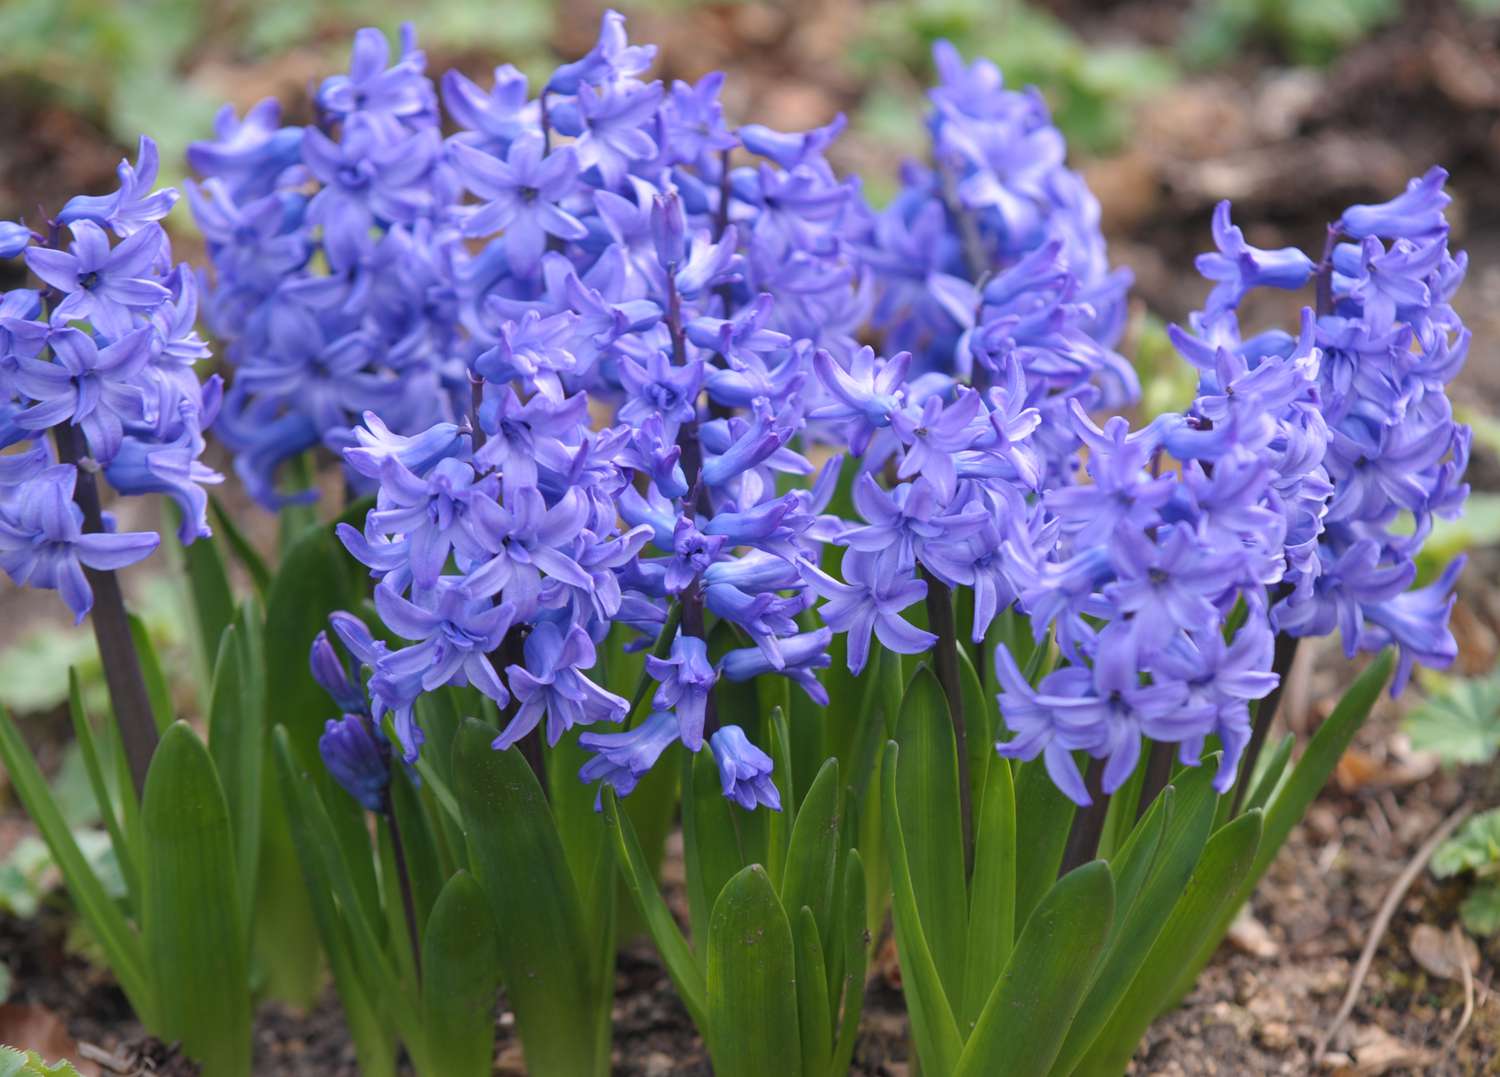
{"x": 1382, "y": 921}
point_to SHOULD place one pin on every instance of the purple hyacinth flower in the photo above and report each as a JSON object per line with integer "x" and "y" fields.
{"x": 521, "y": 196}
{"x": 1239, "y": 267}
{"x": 454, "y": 633}
{"x": 392, "y": 94}
{"x": 552, "y": 683}
{"x": 744, "y": 770}
{"x": 1417, "y": 623}
{"x": 95, "y": 389}
{"x": 359, "y": 758}
{"x": 611, "y": 60}
{"x": 134, "y": 205}
{"x": 622, "y": 759}
{"x": 871, "y": 600}
{"x": 685, "y": 678}
{"x": 801, "y": 655}
{"x": 102, "y": 285}
{"x": 1415, "y": 213}
{"x": 43, "y": 544}
{"x": 932, "y": 435}
{"x": 15, "y": 237}
{"x": 333, "y": 677}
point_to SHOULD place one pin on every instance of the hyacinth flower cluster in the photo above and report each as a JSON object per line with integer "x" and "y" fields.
{"x": 97, "y": 378}
{"x": 586, "y": 346}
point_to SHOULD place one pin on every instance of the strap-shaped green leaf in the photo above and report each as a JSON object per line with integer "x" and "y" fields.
{"x": 212, "y": 597}
{"x": 855, "y": 941}
{"x": 980, "y": 718}
{"x": 682, "y": 966}
{"x": 927, "y": 794}
{"x": 752, "y": 982}
{"x": 460, "y": 961}
{"x": 236, "y": 741}
{"x": 1043, "y": 818}
{"x": 544, "y": 943}
{"x": 88, "y": 746}
{"x": 809, "y": 878}
{"x": 356, "y": 971}
{"x": 157, "y": 689}
{"x": 242, "y": 548}
{"x": 122, "y": 946}
{"x": 1290, "y": 801}
{"x": 814, "y": 1021}
{"x": 191, "y": 921}
{"x": 1225, "y": 861}
{"x": 710, "y": 842}
{"x": 1271, "y": 774}
{"x": 934, "y": 1028}
{"x": 992, "y": 898}
{"x": 1153, "y": 872}
{"x": 311, "y": 584}
{"x": 1029, "y": 1011}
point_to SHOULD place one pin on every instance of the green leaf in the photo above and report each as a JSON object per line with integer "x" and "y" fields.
{"x": 1163, "y": 868}
{"x": 710, "y": 842}
{"x": 1462, "y": 724}
{"x": 14, "y": 1063}
{"x": 1225, "y": 862}
{"x": 814, "y": 1021}
{"x": 682, "y": 966}
{"x": 237, "y": 744}
{"x": 459, "y": 959}
{"x": 83, "y": 735}
{"x": 1043, "y": 818}
{"x": 1029, "y": 1011}
{"x": 310, "y": 585}
{"x": 927, "y": 794}
{"x": 933, "y": 1026}
{"x": 1270, "y": 774}
{"x": 1475, "y": 847}
{"x": 369, "y": 1027}
{"x": 1291, "y": 800}
{"x": 122, "y": 946}
{"x": 992, "y": 898}
{"x": 855, "y": 940}
{"x": 208, "y": 584}
{"x": 1480, "y": 911}
{"x": 191, "y": 921}
{"x": 544, "y": 942}
{"x": 242, "y": 548}
{"x": 810, "y": 877}
{"x": 157, "y": 688}
{"x": 752, "y": 982}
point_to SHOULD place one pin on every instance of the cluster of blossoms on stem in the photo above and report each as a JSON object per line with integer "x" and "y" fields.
{"x": 599, "y": 356}
{"x": 97, "y": 378}
{"x": 1289, "y": 499}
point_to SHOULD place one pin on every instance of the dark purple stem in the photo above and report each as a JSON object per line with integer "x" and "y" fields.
{"x": 122, "y": 665}
{"x": 1265, "y": 714}
{"x": 403, "y": 882}
{"x": 1088, "y": 822}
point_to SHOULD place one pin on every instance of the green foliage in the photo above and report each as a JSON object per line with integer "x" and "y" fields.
{"x": 1091, "y": 88}
{"x": 1476, "y": 849}
{"x": 140, "y": 66}
{"x": 1461, "y": 723}
{"x": 1309, "y": 33}
{"x": 192, "y": 917}
{"x": 14, "y": 1063}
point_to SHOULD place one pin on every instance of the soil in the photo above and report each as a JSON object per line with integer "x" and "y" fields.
{"x": 1291, "y": 146}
